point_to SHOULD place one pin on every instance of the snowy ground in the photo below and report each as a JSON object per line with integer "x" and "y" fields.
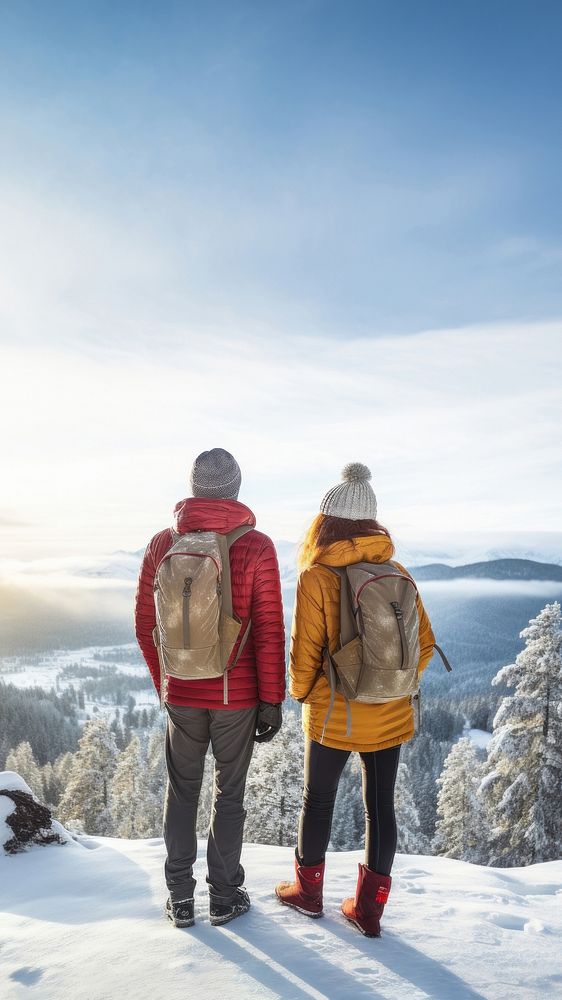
{"x": 84, "y": 922}
{"x": 45, "y": 670}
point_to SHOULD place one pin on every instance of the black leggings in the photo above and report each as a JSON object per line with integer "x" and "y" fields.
{"x": 323, "y": 768}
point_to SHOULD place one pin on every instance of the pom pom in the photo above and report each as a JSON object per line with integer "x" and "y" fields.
{"x": 356, "y": 472}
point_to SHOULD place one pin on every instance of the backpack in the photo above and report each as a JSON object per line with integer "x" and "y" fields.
{"x": 196, "y": 629}
{"x": 379, "y": 638}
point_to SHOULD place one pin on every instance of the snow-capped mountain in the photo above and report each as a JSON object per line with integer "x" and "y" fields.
{"x": 480, "y": 556}
{"x": 494, "y": 569}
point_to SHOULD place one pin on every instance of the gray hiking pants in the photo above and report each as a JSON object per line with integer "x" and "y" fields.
{"x": 231, "y": 735}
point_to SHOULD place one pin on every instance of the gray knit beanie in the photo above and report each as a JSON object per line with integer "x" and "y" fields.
{"x": 353, "y": 497}
{"x": 215, "y": 473}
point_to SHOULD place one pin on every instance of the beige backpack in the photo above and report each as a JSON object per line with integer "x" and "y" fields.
{"x": 379, "y": 637}
{"x": 196, "y": 629}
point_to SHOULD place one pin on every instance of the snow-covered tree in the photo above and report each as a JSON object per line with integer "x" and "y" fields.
{"x": 411, "y": 840}
{"x": 156, "y": 777}
{"x": 130, "y": 807}
{"x": 425, "y": 757}
{"x": 55, "y": 777}
{"x": 274, "y": 787}
{"x": 522, "y": 787}
{"x": 458, "y": 831}
{"x": 348, "y": 823}
{"x": 206, "y": 797}
{"x": 86, "y": 796}
{"x": 22, "y": 761}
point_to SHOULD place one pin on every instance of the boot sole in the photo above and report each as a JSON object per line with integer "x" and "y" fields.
{"x": 361, "y": 930}
{"x": 180, "y": 923}
{"x": 218, "y": 921}
{"x": 300, "y": 909}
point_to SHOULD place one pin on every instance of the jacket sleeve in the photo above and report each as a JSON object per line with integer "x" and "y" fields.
{"x": 268, "y": 627}
{"x": 308, "y": 638}
{"x": 145, "y": 614}
{"x": 427, "y": 638}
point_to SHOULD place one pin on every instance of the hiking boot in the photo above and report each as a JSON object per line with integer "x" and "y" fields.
{"x": 221, "y": 912}
{"x": 181, "y": 913}
{"x": 365, "y": 911}
{"x": 305, "y": 893}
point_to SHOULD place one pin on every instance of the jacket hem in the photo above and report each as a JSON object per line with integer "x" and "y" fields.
{"x": 232, "y": 705}
{"x": 353, "y": 745}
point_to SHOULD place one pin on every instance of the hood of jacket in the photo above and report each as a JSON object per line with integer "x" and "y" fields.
{"x": 364, "y": 548}
{"x": 208, "y": 514}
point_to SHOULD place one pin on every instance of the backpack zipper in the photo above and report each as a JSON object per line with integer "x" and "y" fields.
{"x": 198, "y": 555}
{"x": 400, "y": 622}
{"x": 383, "y": 576}
{"x": 186, "y": 597}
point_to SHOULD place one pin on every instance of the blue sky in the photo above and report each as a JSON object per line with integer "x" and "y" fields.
{"x": 349, "y": 168}
{"x": 175, "y": 177}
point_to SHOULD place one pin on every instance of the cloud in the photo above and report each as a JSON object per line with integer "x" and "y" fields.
{"x": 10, "y": 521}
{"x": 460, "y": 428}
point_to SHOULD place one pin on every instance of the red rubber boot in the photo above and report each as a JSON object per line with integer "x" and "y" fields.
{"x": 305, "y": 893}
{"x": 365, "y": 911}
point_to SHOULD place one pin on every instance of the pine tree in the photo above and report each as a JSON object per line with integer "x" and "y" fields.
{"x": 129, "y": 794}
{"x": 458, "y": 832}
{"x": 425, "y": 757}
{"x": 206, "y": 797}
{"x": 61, "y": 773}
{"x": 411, "y": 840}
{"x": 22, "y": 761}
{"x": 522, "y": 786}
{"x": 86, "y": 796}
{"x": 348, "y": 823}
{"x": 274, "y": 787}
{"x": 156, "y": 777}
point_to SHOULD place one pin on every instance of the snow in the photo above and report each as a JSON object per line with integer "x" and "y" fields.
{"x": 480, "y": 737}
{"x": 7, "y": 807}
{"x": 10, "y": 782}
{"x": 85, "y": 921}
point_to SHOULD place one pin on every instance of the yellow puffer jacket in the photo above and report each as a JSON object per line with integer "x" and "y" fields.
{"x": 316, "y": 624}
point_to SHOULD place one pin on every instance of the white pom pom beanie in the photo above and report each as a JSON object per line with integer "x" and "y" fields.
{"x": 353, "y": 498}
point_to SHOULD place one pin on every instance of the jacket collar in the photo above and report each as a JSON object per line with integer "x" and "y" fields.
{"x": 364, "y": 548}
{"x": 207, "y": 514}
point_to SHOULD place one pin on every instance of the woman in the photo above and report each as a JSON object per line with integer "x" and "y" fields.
{"x": 346, "y": 531}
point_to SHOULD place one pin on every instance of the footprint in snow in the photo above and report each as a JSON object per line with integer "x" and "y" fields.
{"x": 366, "y": 970}
{"x": 26, "y": 976}
{"x": 509, "y": 921}
{"x": 543, "y": 890}
{"x": 534, "y": 926}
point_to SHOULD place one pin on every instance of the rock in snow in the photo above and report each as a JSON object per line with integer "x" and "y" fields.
{"x": 24, "y": 820}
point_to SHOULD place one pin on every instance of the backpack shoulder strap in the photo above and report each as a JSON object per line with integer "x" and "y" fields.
{"x": 348, "y": 625}
{"x": 446, "y": 663}
{"x": 225, "y": 543}
{"x": 237, "y": 533}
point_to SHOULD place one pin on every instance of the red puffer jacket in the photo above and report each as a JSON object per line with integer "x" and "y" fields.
{"x": 259, "y": 674}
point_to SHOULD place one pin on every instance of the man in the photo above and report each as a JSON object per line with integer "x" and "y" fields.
{"x": 230, "y": 714}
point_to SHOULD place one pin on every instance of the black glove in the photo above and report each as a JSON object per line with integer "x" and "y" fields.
{"x": 268, "y": 722}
